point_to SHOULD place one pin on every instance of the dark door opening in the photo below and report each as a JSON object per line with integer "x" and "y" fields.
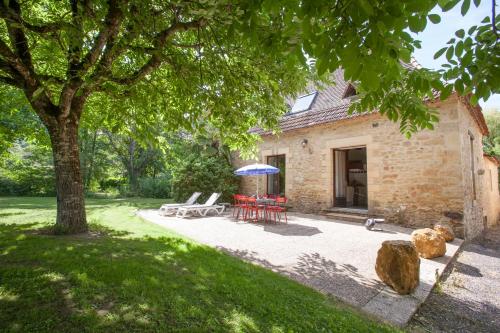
{"x": 350, "y": 178}
{"x": 276, "y": 182}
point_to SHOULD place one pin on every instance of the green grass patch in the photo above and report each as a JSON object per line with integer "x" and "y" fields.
{"x": 135, "y": 276}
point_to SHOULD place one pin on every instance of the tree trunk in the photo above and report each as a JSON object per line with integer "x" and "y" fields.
{"x": 71, "y": 217}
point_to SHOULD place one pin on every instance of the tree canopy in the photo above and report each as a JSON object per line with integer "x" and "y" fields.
{"x": 232, "y": 62}
{"x": 222, "y": 64}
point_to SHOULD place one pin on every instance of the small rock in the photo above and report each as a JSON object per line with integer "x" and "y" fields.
{"x": 445, "y": 231}
{"x": 398, "y": 265}
{"x": 429, "y": 243}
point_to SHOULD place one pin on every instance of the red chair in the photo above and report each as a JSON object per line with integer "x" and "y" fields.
{"x": 242, "y": 206}
{"x": 252, "y": 209}
{"x": 237, "y": 204}
{"x": 278, "y": 209}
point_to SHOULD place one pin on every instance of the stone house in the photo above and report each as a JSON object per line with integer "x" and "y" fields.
{"x": 360, "y": 165}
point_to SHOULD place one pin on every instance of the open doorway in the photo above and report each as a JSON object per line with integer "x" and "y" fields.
{"x": 350, "y": 178}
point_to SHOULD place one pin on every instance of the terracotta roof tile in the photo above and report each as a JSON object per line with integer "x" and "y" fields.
{"x": 330, "y": 106}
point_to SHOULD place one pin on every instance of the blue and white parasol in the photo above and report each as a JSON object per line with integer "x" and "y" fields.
{"x": 256, "y": 170}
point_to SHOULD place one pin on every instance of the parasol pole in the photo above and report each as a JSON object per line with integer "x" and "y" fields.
{"x": 258, "y": 186}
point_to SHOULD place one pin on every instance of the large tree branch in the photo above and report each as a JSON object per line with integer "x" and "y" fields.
{"x": 13, "y": 78}
{"x": 75, "y": 42}
{"x": 18, "y": 38}
{"x": 10, "y": 64}
{"x": 20, "y": 57}
{"x": 113, "y": 21}
{"x": 105, "y": 39}
{"x": 157, "y": 58}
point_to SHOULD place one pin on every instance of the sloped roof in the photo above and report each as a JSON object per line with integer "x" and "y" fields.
{"x": 493, "y": 159}
{"x": 330, "y": 105}
{"x": 476, "y": 113}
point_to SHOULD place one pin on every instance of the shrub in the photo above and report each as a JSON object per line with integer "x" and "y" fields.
{"x": 206, "y": 174}
{"x": 112, "y": 183}
{"x": 158, "y": 187}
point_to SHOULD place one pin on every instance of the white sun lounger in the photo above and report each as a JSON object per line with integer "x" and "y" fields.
{"x": 170, "y": 209}
{"x": 203, "y": 209}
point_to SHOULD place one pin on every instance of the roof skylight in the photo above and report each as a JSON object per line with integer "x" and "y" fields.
{"x": 304, "y": 102}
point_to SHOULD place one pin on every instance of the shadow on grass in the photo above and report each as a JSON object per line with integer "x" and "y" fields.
{"x": 108, "y": 284}
{"x": 342, "y": 281}
{"x": 11, "y": 214}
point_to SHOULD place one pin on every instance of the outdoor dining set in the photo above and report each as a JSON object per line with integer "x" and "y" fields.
{"x": 267, "y": 208}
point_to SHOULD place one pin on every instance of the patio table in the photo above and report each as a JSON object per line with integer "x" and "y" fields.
{"x": 266, "y": 202}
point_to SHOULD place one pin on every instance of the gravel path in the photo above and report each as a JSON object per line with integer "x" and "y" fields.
{"x": 468, "y": 299}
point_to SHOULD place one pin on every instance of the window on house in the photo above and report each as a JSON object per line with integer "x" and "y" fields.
{"x": 276, "y": 182}
{"x": 472, "y": 167}
{"x": 304, "y": 102}
{"x": 350, "y": 92}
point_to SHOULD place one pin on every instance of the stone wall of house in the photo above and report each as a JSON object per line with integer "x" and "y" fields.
{"x": 472, "y": 163}
{"x": 414, "y": 182}
{"x": 491, "y": 199}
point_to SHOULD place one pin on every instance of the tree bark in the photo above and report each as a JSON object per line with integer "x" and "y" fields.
{"x": 71, "y": 217}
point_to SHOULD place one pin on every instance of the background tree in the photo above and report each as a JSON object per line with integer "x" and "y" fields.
{"x": 134, "y": 156}
{"x": 492, "y": 141}
{"x": 226, "y": 64}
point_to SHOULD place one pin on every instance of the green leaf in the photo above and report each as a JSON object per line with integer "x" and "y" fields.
{"x": 446, "y": 92}
{"x": 449, "y": 53}
{"x": 459, "y": 48}
{"x": 366, "y": 7}
{"x": 477, "y": 3}
{"x": 413, "y": 23}
{"x": 465, "y": 7}
{"x": 467, "y": 59}
{"x": 472, "y": 29}
{"x": 440, "y": 52}
{"x": 460, "y": 33}
{"x": 486, "y": 20}
{"x": 473, "y": 99}
{"x": 459, "y": 86}
{"x": 448, "y": 5}
{"x": 435, "y": 18}
{"x": 405, "y": 55}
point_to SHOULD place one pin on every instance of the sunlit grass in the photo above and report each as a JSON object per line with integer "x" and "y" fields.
{"x": 129, "y": 275}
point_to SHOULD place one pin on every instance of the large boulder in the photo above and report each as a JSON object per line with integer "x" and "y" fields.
{"x": 445, "y": 231}
{"x": 429, "y": 243}
{"x": 398, "y": 265}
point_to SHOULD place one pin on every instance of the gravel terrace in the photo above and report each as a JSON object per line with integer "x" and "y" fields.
{"x": 334, "y": 257}
{"x": 468, "y": 299}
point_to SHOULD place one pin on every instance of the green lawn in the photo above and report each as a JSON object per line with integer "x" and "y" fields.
{"x": 138, "y": 277}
